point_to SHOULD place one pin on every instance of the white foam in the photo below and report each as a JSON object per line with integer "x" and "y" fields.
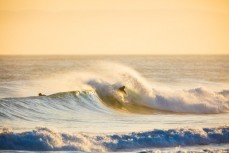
{"x": 44, "y": 139}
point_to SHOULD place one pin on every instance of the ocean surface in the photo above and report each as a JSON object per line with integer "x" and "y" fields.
{"x": 173, "y": 103}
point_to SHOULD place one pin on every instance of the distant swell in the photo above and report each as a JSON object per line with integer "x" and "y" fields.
{"x": 44, "y": 139}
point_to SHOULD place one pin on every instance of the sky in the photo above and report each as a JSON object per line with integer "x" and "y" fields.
{"x": 131, "y": 27}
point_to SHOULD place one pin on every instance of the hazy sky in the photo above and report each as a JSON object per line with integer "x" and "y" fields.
{"x": 114, "y": 27}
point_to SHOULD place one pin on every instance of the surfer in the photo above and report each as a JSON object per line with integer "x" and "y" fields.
{"x": 122, "y": 89}
{"x": 40, "y": 94}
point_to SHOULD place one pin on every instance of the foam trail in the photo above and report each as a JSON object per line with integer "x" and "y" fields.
{"x": 44, "y": 139}
{"x": 197, "y": 100}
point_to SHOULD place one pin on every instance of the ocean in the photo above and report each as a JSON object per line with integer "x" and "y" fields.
{"x": 173, "y": 103}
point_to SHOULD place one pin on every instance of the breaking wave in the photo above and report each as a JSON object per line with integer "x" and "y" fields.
{"x": 44, "y": 139}
{"x": 106, "y": 99}
{"x": 103, "y": 96}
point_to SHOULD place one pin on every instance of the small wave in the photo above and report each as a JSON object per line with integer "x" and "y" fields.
{"x": 44, "y": 139}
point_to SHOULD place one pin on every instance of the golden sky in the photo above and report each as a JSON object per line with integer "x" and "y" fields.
{"x": 114, "y": 27}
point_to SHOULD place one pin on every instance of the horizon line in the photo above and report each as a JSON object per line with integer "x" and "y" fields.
{"x": 111, "y": 54}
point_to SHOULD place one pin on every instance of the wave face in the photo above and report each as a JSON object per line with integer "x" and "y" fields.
{"x": 60, "y": 106}
{"x": 44, "y": 139}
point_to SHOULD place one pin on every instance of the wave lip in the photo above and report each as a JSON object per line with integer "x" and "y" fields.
{"x": 44, "y": 139}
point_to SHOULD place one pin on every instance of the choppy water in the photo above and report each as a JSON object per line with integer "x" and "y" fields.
{"x": 171, "y": 101}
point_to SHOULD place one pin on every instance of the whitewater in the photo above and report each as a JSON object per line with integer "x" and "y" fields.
{"x": 173, "y": 103}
